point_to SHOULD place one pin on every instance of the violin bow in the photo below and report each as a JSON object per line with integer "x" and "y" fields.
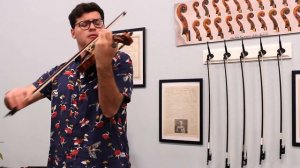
{"x": 226, "y": 56}
{"x": 87, "y": 48}
{"x": 262, "y": 155}
{"x": 244, "y": 53}
{"x": 209, "y": 57}
{"x": 280, "y": 51}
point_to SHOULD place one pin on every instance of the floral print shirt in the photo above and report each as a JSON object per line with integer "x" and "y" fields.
{"x": 81, "y": 136}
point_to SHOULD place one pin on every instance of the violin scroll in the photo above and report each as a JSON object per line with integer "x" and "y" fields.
{"x": 261, "y": 20}
{"x": 124, "y": 39}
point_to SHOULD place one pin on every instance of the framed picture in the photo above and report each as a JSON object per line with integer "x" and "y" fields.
{"x": 137, "y": 53}
{"x": 296, "y": 107}
{"x": 180, "y": 111}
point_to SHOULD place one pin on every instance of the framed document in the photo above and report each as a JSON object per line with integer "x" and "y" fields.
{"x": 296, "y": 107}
{"x": 137, "y": 53}
{"x": 180, "y": 111}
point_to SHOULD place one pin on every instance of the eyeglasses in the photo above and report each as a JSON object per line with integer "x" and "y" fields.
{"x": 85, "y": 25}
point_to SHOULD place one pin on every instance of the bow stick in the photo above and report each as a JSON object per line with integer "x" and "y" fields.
{"x": 226, "y": 56}
{"x": 244, "y": 53}
{"x": 262, "y": 155}
{"x": 209, "y": 57}
{"x": 280, "y": 51}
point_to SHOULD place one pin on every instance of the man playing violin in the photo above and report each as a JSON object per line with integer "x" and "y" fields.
{"x": 88, "y": 109}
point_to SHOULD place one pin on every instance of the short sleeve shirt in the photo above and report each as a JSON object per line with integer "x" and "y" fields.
{"x": 81, "y": 136}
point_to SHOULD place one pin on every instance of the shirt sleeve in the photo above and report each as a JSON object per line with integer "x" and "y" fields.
{"x": 46, "y": 91}
{"x": 123, "y": 71}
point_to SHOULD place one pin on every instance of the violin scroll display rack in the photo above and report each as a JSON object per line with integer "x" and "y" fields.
{"x": 219, "y": 20}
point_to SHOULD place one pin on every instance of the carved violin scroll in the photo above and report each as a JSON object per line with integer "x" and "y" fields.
{"x": 206, "y": 24}
{"x": 250, "y": 16}
{"x": 260, "y": 16}
{"x": 214, "y": 3}
{"x": 228, "y": 20}
{"x": 272, "y": 3}
{"x": 249, "y": 5}
{"x": 238, "y": 18}
{"x": 238, "y": 6}
{"x": 182, "y": 8}
{"x": 217, "y": 21}
{"x": 260, "y": 4}
{"x": 272, "y": 14}
{"x": 285, "y": 11}
{"x": 195, "y": 5}
{"x": 204, "y": 5}
{"x": 226, "y": 6}
{"x": 196, "y": 24}
{"x": 296, "y": 12}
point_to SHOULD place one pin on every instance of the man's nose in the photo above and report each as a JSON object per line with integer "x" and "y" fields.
{"x": 92, "y": 26}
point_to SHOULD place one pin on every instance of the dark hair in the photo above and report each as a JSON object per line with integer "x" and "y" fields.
{"x": 83, "y": 8}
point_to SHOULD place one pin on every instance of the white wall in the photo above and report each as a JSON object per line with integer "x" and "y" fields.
{"x": 35, "y": 35}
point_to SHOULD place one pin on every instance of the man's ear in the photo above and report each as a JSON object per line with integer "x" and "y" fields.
{"x": 73, "y": 34}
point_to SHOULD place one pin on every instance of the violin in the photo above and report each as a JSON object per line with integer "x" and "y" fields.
{"x": 88, "y": 59}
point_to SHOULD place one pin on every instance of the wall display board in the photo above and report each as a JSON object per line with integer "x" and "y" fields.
{"x": 217, "y": 20}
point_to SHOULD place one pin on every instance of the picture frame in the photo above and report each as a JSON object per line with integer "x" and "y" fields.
{"x": 181, "y": 111}
{"x": 137, "y": 52}
{"x": 296, "y": 108}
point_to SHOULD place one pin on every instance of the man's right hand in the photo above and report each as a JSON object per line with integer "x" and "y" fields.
{"x": 19, "y": 98}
